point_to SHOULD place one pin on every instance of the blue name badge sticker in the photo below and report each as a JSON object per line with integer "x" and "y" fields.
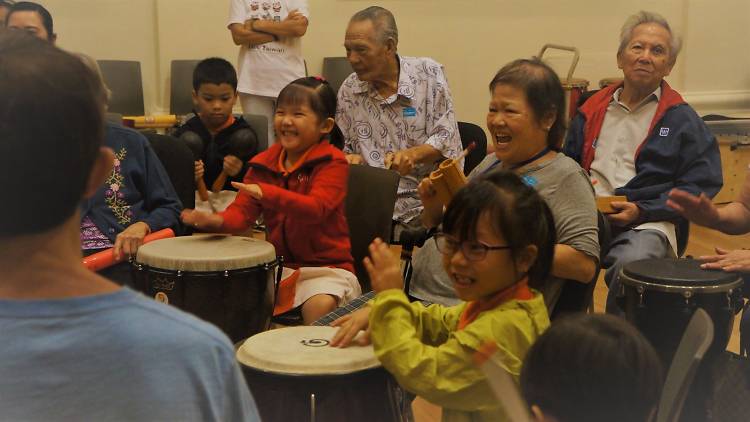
{"x": 529, "y": 180}
{"x": 410, "y": 111}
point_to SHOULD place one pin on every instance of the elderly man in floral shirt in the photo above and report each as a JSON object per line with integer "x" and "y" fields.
{"x": 394, "y": 111}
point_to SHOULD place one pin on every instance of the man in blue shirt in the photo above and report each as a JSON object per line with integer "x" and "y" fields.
{"x": 75, "y": 345}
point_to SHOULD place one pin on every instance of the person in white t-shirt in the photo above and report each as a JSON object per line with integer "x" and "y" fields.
{"x": 268, "y": 33}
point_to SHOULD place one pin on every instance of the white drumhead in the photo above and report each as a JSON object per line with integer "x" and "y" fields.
{"x": 206, "y": 253}
{"x": 304, "y": 351}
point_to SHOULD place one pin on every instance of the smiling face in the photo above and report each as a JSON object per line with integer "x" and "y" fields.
{"x": 298, "y": 128}
{"x": 646, "y": 60}
{"x": 515, "y": 131}
{"x": 368, "y": 57}
{"x": 474, "y": 280}
{"x": 214, "y": 103}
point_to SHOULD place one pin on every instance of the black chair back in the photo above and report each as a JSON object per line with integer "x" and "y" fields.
{"x": 370, "y": 199}
{"x": 178, "y": 161}
{"x": 123, "y": 78}
{"x": 336, "y": 70}
{"x": 181, "y": 86}
{"x": 694, "y": 344}
{"x": 260, "y": 126}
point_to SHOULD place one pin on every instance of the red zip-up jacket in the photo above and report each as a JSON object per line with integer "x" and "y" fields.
{"x": 303, "y": 210}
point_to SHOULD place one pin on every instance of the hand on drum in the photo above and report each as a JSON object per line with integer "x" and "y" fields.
{"x": 232, "y": 165}
{"x": 433, "y": 208}
{"x": 698, "y": 209}
{"x": 737, "y": 260}
{"x": 202, "y": 220}
{"x": 383, "y": 267}
{"x": 251, "y": 189}
{"x": 199, "y": 170}
{"x": 351, "y": 325}
{"x": 130, "y": 239}
{"x": 627, "y": 213}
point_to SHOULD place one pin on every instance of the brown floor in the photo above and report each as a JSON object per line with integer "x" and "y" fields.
{"x": 702, "y": 241}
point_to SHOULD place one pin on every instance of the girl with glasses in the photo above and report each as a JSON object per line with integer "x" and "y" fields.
{"x": 497, "y": 246}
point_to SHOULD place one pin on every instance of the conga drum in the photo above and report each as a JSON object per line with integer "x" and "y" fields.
{"x": 295, "y": 375}
{"x": 660, "y": 296}
{"x": 225, "y": 280}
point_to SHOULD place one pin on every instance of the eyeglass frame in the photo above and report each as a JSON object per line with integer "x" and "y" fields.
{"x": 470, "y": 256}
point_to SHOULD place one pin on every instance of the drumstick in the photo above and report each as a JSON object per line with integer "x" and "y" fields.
{"x": 106, "y": 258}
{"x": 468, "y": 149}
{"x": 196, "y": 146}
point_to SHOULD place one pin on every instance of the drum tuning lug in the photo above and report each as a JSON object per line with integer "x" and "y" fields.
{"x": 226, "y": 273}
{"x": 140, "y": 267}
{"x": 640, "y": 291}
{"x": 179, "y": 273}
{"x": 312, "y": 407}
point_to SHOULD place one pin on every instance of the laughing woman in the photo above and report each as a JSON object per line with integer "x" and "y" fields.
{"x": 526, "y": 122}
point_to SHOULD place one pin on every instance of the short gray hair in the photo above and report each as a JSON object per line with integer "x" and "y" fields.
{"x": 642, "y": 17}
{"x": 383, "y": 21}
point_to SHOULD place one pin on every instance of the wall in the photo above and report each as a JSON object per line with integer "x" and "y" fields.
{"x": 472, "y": 40}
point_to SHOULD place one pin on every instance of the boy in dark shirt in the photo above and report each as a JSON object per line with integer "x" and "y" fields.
{"x": 214, "y": 95}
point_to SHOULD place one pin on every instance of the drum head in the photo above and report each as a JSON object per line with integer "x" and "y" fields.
{"x": 676, "y": 272}
{"x": 206, "y": 253}
{"x": 304, "y": 351}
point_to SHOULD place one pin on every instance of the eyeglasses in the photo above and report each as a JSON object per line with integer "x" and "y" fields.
{"x": 473, "y": 251}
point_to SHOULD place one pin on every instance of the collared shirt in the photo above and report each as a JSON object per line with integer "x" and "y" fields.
{"x": 623, "y": 131}
{"x": 420, "y": 113}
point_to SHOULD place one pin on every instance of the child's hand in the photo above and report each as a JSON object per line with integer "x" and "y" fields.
{"x": 352, "y": 324}
{"x": 433, "y": 208}
{"x": 383, "y": 267}
{"x": 251, "y": 189}
{"x": 232, "y": 165}
{"x": 201, "y": 220}
{"x": 199, "y": 170}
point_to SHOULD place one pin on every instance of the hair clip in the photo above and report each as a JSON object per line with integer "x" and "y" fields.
{"x": 320, "y": 79}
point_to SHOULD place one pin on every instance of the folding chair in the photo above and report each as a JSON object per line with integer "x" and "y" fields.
{"x": 695, "y": 342}
{"x": 123, "y": 78}
{"x": 181, "y": 86}
{"x": 336, "y": 70}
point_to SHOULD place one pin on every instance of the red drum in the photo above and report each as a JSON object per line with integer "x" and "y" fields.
{"x": 225, "y": 280}
{"x": 295, "y": 375}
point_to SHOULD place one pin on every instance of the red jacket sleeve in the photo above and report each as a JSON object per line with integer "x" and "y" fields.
{"x": 243, "y": 211}
{"x": 327, "y": 192}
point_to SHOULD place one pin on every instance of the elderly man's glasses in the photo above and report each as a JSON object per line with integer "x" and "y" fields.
{"x": 473, "y": 251}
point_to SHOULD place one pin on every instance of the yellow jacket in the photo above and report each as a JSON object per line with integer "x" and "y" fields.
{"x": 421, "y": 348}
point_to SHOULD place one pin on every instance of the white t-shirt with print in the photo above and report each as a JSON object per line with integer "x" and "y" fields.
{"x": 267, "y": 68}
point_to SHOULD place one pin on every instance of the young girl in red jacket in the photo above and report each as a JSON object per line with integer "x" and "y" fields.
{"x": 299, "y": 186}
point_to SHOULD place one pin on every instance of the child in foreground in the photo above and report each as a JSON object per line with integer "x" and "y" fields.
{"x": 497, "y": 244}
{"x": 589, "y": 368}
{"x": 299, "y": 186}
